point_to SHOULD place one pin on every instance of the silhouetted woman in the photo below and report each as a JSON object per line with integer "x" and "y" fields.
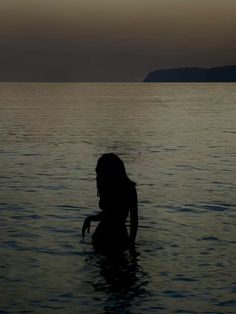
{"x": 118, "y": 198}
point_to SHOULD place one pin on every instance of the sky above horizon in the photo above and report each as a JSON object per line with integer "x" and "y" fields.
{"x": 101, "y": 40}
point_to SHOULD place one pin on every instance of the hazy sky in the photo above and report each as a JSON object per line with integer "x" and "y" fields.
{"x": 112, "y": 40}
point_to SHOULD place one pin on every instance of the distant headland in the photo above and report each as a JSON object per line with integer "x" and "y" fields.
{"x": 217, "y": 74}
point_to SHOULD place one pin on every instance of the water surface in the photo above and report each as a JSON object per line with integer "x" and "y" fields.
{"x": 178, "y": 142}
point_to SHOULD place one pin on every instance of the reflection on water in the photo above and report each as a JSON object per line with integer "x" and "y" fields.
{"x": 121, "y": 279}
{"x": 178, "y": 143}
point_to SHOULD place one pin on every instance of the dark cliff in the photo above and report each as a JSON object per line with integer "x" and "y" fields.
{"x": 217, "y": 74}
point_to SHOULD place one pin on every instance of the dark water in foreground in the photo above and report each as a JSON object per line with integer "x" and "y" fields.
{"x": 179, "y": 144}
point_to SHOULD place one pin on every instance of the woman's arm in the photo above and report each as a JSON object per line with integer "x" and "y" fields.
{"x": 87, "y": 222}
{"x": 134, "y": 219}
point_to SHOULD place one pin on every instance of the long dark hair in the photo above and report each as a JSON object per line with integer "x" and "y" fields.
{"x": 111, "y": 174}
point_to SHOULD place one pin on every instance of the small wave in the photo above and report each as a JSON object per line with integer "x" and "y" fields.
{"x": 210, "y": 238}
{"x": 145, "y": 201}
{"x": 7, "y": 152}
{"x": 14, "y": 208}
{"x": 176, "y": 294}
{"x": 185, "y": 279}
{"x": 60, "y": 230}
{"x": 67, "y": 295}
{"x": 227, "y": 303}
{"x": 68, "y": 207}
{"x": 229, "y": 132}
{"x": 12, "y": 244}
{"x": 216, "y": 207}
{"x": 3, "y": 204}
{"x": 46, "y": 174}
{"x": 31, "y": 154}
{"x": 186, "y": 210}
{"x": 20, "y": 216}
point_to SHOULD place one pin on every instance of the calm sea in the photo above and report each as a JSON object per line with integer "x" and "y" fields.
{"x": 178, "y": 142}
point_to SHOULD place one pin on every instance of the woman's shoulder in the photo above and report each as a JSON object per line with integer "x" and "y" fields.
{"x": 131, "y": 190}
{"x": 132, "y": 186}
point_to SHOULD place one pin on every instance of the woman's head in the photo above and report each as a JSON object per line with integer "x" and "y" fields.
{"x": 110, "y": 171}
{"x": 110, "y": 166}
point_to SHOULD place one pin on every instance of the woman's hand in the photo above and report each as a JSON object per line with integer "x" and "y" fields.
{"x": 86, "y": 226}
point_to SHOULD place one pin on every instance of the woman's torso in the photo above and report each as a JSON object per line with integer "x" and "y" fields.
{"x": 115, "y": 204}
